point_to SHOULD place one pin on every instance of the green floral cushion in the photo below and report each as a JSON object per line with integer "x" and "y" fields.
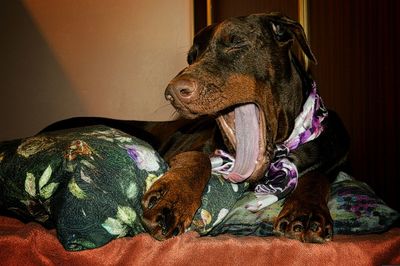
{"x": 82, "y": 181}
{"x": 88, "y": 183}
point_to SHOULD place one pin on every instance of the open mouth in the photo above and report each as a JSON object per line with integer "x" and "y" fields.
{"x": 245, "y": 129}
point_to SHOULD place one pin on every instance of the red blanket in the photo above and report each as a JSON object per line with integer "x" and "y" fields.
{"x": 31, "y": 244}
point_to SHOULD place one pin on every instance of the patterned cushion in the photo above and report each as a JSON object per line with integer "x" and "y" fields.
{"x": 354, "y": 207}
{"x": 83, "y": 181}
{"x": 88, "y": 183}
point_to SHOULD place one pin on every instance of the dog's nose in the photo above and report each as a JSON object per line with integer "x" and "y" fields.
{"x": 183, "y": 89}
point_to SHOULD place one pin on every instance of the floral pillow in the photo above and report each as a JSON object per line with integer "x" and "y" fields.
{"x": 88, "y": 183}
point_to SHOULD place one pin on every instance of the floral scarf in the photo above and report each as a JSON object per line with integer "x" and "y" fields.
{"x": 281, "y": 177}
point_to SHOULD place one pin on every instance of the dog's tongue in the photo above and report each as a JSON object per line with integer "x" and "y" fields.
{"x": 247, "y": 141}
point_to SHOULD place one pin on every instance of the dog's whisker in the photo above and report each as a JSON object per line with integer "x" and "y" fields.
{"x": 161, "y": 107}
{"x": 174, "y": 115}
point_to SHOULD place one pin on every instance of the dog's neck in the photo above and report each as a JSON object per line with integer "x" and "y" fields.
{"x": 296, "y": 84}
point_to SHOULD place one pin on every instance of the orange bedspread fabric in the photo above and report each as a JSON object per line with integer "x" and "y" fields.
{"x": 31, "y": 244}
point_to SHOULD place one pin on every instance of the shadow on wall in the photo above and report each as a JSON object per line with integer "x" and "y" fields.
{"x": 107, "y": 59}
{"x": 33, "y": 88}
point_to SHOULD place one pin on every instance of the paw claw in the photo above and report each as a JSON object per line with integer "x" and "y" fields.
{"x": 328, "y": 232}
{"x": 153, "y": 196}
{"x": 177, "y": 230}
{"x": 315, "y": 226}
{"x": 152, "y": 202}
{"x": 283, "y": 224}
{"x": 298, "y": 227}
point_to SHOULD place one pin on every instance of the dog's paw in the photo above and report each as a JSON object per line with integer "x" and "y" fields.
{"x": 305, "y": 222}
{"x": 172, "y": 201}
{"x": 169, "y": 206}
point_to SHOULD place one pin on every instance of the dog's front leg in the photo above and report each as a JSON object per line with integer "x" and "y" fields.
{"x": 171, "y": 202}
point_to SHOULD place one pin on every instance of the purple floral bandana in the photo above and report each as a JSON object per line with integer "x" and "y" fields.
{"x": 281, "y": 177}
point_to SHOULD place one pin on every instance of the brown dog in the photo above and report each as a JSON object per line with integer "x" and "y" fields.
{"x": 232, "y": 64}
{"x": 241, "y": 92}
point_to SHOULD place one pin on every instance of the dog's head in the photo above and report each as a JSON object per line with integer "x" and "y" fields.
{"x": 241, "y": 72}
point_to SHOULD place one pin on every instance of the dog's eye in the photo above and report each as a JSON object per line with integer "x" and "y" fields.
{"x": 235, "y": 40}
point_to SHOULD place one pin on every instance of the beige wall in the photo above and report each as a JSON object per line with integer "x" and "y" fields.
{"x": 67, "y": 58}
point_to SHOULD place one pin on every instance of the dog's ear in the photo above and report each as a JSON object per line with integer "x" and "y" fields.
{"x": 286, "y": 29}
{"x": 200, "y": 43}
